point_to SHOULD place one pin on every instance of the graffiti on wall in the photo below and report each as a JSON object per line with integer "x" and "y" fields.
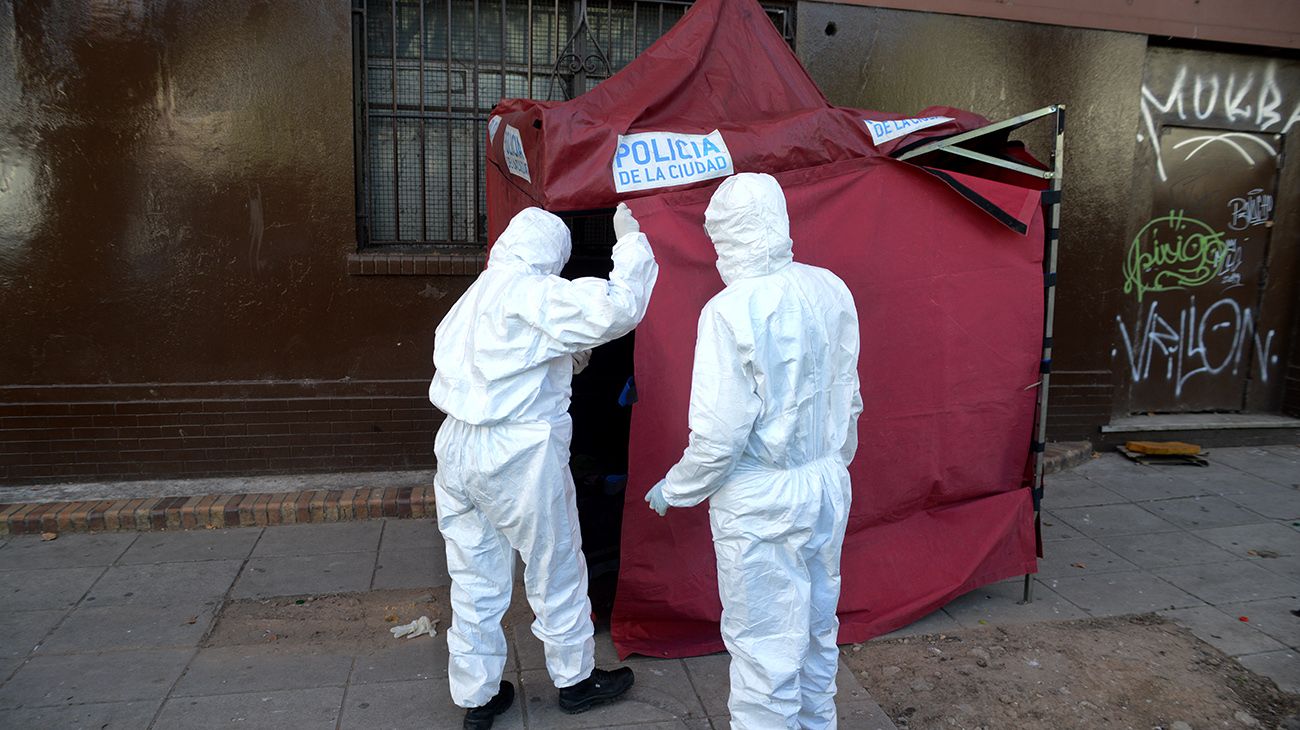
{"x": 1175, "y": 252}
{"x": 1172, "y": 252}
{"x": 1254, "y": 97}
{"x": 1194, "y": 340}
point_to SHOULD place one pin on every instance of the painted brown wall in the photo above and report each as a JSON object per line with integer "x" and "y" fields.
{"x": 1259, "y": 22}
{"x": 176, "y": 219}
{"x": 904, "y": 61}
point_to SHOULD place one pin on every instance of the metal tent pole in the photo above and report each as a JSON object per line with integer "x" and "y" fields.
{"x": 1052, "y": 239}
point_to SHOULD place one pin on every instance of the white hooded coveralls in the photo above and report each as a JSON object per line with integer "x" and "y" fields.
{"x": 504, "y": 361}
{"x": 773, "y": 418}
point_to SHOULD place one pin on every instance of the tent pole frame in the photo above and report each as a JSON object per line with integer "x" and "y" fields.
{"x": 1051, "y": 235}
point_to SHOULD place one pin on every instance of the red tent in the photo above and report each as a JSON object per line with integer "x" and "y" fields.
{"x": 945, "y": 266}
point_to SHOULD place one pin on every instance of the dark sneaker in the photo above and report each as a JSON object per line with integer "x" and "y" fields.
{"x": 481, "y": 718}
{"x": 601, "y": 687}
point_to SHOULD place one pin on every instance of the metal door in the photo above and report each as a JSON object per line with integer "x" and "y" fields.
{"x": 1196, "y": 270}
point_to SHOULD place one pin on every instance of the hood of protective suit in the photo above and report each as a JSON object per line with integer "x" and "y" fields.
{"x": 750, "y": 228}
{"x": 535, "y": 242}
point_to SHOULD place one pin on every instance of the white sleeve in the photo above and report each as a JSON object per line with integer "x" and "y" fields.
{"x": 724, "y": 406}
{"x": 578, "y": 315}
{"x": 851, "y": 349}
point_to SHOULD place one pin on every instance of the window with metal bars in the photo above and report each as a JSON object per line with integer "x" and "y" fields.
{"x": 426, "y": 75}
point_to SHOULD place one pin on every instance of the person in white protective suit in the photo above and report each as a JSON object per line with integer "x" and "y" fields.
{"x": 504, "y": 359}
{"x": 773, "y": 418}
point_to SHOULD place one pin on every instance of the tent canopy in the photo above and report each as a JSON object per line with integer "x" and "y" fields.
{"x": 944, "y": 265}
{"x": 722, "y": 67}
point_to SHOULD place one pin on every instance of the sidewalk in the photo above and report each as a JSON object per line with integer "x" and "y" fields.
{"x": 106, "y": 629}
{"x": 1205, "y": 546}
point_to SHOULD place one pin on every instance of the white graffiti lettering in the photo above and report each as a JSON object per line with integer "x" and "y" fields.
{"x": 1255, "y": 209}
{"x": 1209, "y": 342}
{"x": 1249, "y": 98}
{"x": 1230, "y": 262}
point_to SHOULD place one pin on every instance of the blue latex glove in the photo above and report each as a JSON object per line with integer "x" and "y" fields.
{"x": 656, "y": 498}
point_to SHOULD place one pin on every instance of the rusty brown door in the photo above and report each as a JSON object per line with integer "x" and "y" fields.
{"x": 1196, "y": 270}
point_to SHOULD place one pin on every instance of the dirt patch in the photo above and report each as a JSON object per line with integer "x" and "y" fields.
{"x": 1137, "y": 672}
{"x": 345, "y": 622}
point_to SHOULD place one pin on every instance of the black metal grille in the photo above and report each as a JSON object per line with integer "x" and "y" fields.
{"x": 427, "y": 74}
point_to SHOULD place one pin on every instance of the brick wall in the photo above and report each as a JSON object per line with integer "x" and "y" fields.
{"x": 77, "y": 433}
{"x": 1078, "y": 401}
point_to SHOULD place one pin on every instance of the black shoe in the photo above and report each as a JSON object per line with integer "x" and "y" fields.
{"x": 481, "y": 718}
{"x": 601, "y": 687}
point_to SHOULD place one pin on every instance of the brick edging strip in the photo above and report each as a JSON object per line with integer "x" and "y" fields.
{"x": 217, "y": 510}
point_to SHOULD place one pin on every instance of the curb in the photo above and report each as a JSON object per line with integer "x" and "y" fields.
{"x": 1063, "y": 455}
{"x": 261, "y": 509}
{"x": 217, "y": 510}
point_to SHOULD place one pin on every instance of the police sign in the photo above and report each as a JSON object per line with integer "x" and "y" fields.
{"x": 648, "y": 160}
{"x": 513, "y": 147}
{"x": 887, "y": 129}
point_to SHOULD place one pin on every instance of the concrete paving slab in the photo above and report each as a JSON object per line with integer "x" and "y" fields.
{"x": 165, "y": 584}
{"x": 69, "y": 551}
{"x": 1285, "y": 475}
{"x": 97, "y": 716}
{"x": 303, "y": 708}
{"x": 411, "y": 568}
{"x": 117, "y": 676}
{"x": 1054, "y": 528}
{"x": 331, "y": 537}
{"x": 1203, "y": 513}
{"x": 192, "y": 545}
{"x": 934, "y": 623}
{"x": 1242, "y": 580}
{"x": 1113, "y": 594}
{"x": 864, "y": 716}
{"x": 418, "y": 705}
{"x": 1227, "y": 481}
{"x": 1283, "y": 667}
{"x": 405, "y": 661}
{"x": 141, "y": 625}
{"x": 1287, "y": 567}
{"x": 1272, "y": 617}
{"x": 999, "y": 603}
{"x": 692, "y": 724}
{"x": 1253, "y": 541}
{"x": 421, "y": 534}
{"x": 1244, "y": 457}
{"x": 305, "y": 574}
{"x": 31, "y": 590}
{"x": 1273, "y": 501}
{"x": 710, "y": 676}
{"x": 1108, "y": 462}
{"x": 1078, "y": 492}
{"x": 1148, "y": 486}
{"x": 1113, "y": 519}
{"x": 238, "y": 669}
{"x": 1167, "y": 549}
{"x": 9, "y": 665}
{"x": 21, "y": 631}
{"x": 1224, "y": 632}
{"x": 662, "y": 693}
{"x": 1068, "y": 558}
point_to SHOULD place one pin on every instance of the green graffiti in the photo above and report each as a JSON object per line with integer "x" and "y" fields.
{"x": 1172, "y": 252}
